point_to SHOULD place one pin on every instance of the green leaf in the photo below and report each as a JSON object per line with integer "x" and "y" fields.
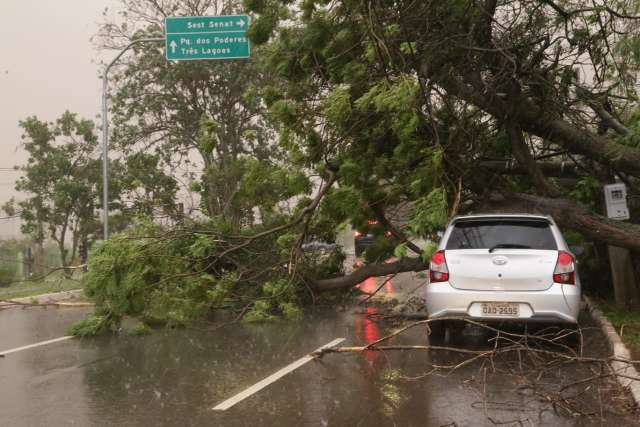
{"x": 400, "y": 251}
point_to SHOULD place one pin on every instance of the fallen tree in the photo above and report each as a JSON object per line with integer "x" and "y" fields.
{"x": 417, "y": 95}
{"x": 396, "y": 107}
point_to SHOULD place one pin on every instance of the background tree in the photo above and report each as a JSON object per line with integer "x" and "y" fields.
{"x": 202, "y": 119}
{"x": 63, "y": 183}
{"x": 60, "y": 180}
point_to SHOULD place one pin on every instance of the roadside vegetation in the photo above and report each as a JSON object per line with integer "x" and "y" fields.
{"x": 402, "y": 113}
{"x": 627, "y": 324}
{"x": 28, "y": 270}
{"x": 28, "y": 288}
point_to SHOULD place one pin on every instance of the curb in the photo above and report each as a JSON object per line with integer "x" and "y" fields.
{"x": 44, "y": 298}
{"x": 619, "y": 350}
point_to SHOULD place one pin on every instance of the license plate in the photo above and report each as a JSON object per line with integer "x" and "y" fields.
{"x": 505, "y": 309}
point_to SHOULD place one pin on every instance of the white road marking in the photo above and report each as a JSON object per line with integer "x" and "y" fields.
{"x": 38, "y": 344}
{"x": 271, "y": 378}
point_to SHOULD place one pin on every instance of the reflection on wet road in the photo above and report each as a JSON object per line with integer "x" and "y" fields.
{"x": 175, "y": 377}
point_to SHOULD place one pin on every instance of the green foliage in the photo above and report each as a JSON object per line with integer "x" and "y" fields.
{"x": 587, "y": 191}
{"x": 223, "y": 290}
{"x": 278, "y": 298}
{"x": 259, "y": 312}
{"x": 284, "y": 111}
{"x": 291, "y": 311}
{"x": 7, "y": 275}
{"x": 209, "y": 113}
{"x": 633, "y": 124}
{"x": 381, "y": 250}
{"x": 285, "y": 243}
{"x": 139, "y": 329}
{"x": 9, "y": 261}
{"x": 173, "y": 277}
{"x": 627, "y": 319}
{"x": 61, "y": 181}
{"x": 337, "y": 106}
{"x": 340, "y": 204}
{"x": 429, "y": 249}
{"x": 400, "y": 251}
{"x": 431, "y": 213}
{"x": 398, "y": 99}
{"x": 94, "y": 324}
{"x": 264, "y": 185}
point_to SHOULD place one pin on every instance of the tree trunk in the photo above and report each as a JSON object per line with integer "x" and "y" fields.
{"x": 550, "y": 169}
{"x": 525, "y": 159}
{"x": 533, "y": 120}
{"x": 63, "y": 253}
{"x": 38, "y": 256}
{"x": 371, "y": 270}
{"x": 571, "y": 215}
{"x": 623, "y": 275}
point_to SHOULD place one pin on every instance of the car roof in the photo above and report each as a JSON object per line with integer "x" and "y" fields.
{"x": 507, "y": 216}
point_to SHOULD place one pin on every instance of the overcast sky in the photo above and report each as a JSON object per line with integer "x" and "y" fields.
{"x": 47, "y": 65}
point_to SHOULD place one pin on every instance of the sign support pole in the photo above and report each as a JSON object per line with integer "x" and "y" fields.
{"x": 105, "y": 132}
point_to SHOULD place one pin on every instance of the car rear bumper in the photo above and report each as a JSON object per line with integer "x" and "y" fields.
{"x": 560, "y": 303}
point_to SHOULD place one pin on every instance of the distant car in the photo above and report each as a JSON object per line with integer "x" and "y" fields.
{"x": 502, "y": 268}
{"x": 362, "y": 240}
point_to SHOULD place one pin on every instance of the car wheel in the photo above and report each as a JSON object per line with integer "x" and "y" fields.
{"x": 455, "y": 328}
{"x": 573, "y": 338}
{"x": 438, "y": 332}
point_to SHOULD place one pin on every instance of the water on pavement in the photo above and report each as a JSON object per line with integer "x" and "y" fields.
{"x": 175, "y": 378}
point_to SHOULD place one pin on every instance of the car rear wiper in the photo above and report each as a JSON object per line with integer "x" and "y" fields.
{"x": 508, "y": 246}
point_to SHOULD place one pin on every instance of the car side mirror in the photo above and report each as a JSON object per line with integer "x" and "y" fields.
{"x": 577, "y": 250}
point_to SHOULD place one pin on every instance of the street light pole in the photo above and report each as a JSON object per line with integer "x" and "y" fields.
{"x": 105, "y": 131}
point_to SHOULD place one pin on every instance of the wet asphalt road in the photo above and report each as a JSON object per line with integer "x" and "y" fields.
{"x": 175, "y": 377}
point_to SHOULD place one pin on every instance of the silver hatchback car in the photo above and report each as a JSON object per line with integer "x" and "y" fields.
{"x": 503, "y": 268}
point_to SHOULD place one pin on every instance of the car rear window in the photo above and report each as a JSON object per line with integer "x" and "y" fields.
{"x": 487, "y": 234}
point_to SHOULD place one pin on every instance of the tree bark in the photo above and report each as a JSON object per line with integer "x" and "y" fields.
{"x": 532, "y": 119}
{"x": 570, "y": 214}
{"x": 550, "y": 169}
{"x": 371, "y": 270}
{"x": 623, "y": 277}
{"x": 525, "y": 159}
{"x": 621, "y": 158}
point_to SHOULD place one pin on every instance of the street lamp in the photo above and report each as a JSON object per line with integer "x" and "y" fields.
{"x": 105, "y": 131}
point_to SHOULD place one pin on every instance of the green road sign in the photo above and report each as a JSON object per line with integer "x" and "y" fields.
{"x": 189, "y": 38}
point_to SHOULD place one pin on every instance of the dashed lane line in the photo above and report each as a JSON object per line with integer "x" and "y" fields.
{"x": 38, "y": 344}
{"x": 272, "y": 378}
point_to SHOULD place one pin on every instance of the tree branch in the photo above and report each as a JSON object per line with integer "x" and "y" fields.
{"x": 303, "y": 214}
{"x": 398, "y": 234}
{"x": 601, "y": 111}
{"x": 371, "y": 270}
{"x": 525, "y": 159}
{"x": 570, "y": 214}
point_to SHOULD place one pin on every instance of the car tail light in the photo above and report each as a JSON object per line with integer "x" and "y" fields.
{"x": 438, "y": 271}
{"x": 565, "y": 271}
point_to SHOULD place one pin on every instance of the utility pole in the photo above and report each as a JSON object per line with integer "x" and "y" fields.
{"x": 105, "y": 131}
{"x": 623, "y": 275}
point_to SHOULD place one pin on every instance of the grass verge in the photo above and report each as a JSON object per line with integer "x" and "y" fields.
{"x": 53, "y": 283}
{"x": 627, "y": 324}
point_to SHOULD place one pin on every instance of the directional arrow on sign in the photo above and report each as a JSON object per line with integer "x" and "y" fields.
{"x": 241, "y": 23}
{"x": 173, "y": 45}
